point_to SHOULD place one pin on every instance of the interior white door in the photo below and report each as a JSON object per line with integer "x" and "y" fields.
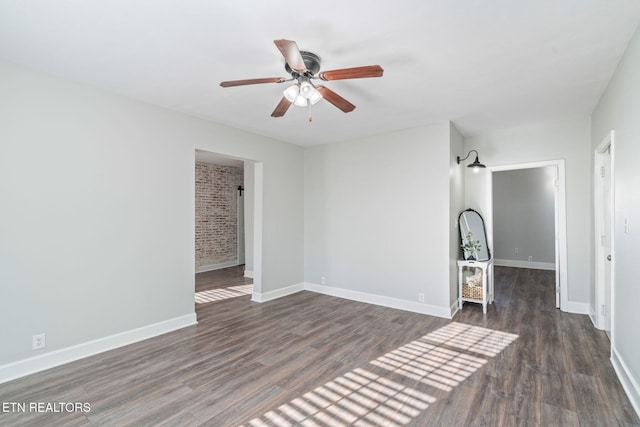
{"x": 607, "y": 215}
{"x": 604, "y": 238}
{"x": 556, "y": 215}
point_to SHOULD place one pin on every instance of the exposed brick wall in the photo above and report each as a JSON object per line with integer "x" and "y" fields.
{"x": 216, "y": 213}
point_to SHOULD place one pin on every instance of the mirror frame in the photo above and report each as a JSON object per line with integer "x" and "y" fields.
{"x": 484, "y": 230}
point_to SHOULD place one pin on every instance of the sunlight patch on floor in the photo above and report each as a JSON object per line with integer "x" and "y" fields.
{"x": 478, "y": 340}
{"x": 441, "y": 359}
{"x": 358, "y": 398}
{"x": 432, "y": 361}
{"x": 223, "y": 293}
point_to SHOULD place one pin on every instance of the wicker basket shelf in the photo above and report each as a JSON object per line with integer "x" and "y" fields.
{"x": 473, "y": 292}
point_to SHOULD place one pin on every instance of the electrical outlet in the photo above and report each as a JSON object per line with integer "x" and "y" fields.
{"x": 38, "y": 342}
{"x": 530, "y": 258}
{"x": 323, "y": 280}
{"x": 515, "y": 251}
{"x": 420, "y": 297}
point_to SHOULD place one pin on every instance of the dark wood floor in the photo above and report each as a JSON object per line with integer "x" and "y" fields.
{"x": 310, "y": 359}
{"x": 222, "y": 278}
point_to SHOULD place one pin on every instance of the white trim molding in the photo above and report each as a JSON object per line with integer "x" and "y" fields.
{"x": 278, "y": 293}
{"x": 524, "y": 264}
{"x": 592, "y": 317}
{"x": 212, "y": 267}
{"x": 455, "y": 307}
{"x": 248, "y": 274}
{"x": 603, "y": 248}
{"x": 629, "y": 383}
{"x": 560, "y": 211}
{"x": 576, "y": 307}
{"x": 55, "y": 358}
{"x": 400, "y": 304}
{"x": 384, "y": 301}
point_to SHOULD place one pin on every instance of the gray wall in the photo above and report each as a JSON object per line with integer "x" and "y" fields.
{"x": 619, "y": 109}
{"x": 456, "y": 205}
{"x": 97, "y": 220}
{"x": 377, "y": 215}
{"x": 563, "y": 139}
{"x": 523, "y": 214}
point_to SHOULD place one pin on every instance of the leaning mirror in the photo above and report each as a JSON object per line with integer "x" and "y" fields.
{"x": 473, "y": 236}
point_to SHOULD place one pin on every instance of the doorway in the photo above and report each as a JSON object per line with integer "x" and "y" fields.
{"x": 559, "y": 220}
{"x": 248, "y": 202}
{"x": 604, "y": 236}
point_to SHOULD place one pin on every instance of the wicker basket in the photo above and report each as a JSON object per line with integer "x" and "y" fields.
{"x": 474, "y": 292}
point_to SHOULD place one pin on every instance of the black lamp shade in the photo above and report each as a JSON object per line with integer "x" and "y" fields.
{"x": 476, "y": 164}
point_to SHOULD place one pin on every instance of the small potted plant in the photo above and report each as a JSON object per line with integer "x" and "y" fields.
{"x": 471, "y": 246}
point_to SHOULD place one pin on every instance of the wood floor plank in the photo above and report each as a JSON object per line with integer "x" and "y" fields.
{"x": 448, "y": 411}
{"x": 555, "y": 416}
{"x": 311, "y": 359}
{"x": 592, "y": 407}
{"x": 557, "y": 390}
{"x": 132, "y": 406}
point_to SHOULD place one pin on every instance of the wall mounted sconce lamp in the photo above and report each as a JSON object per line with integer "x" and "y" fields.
{"x": 476, "y": 165}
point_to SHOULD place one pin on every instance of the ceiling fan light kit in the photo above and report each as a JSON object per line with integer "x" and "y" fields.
{"x": 306, "y": 89}
{"x": 300, "y": 101}
{"x": 302, "y": 94}
{"x": 305, "y": 66}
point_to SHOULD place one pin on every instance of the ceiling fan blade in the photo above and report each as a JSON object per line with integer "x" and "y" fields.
{"x": 352, "y": 73}
{"x": 291, "y": 53}
{"x": 335, "y": 99}
{"x": 281, "y": 108}
{"x": 252, "y": 81}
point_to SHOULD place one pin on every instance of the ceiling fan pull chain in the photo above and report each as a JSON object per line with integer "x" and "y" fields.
{"x": 310, "y": 118}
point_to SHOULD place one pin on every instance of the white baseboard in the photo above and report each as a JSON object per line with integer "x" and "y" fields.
{"x": 629, "y": 384}
{"x": 248, "y": 273}
{"x": 212, "y": 267}
{"x": 592, "y": 316}
{"x": 576, "y": 307}
{"x": 454, "y": 308}
{"x": 55, "y": 358}
{"x": 278, "y": 293}
{"x": 400, "y": 304}
{"x": 524, "y": 264}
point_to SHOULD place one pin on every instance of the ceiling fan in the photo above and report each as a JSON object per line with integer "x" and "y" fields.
{"x": 304, "y": 67}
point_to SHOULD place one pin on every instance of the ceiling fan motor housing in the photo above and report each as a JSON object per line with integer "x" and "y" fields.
{"x": 311, "y": 62}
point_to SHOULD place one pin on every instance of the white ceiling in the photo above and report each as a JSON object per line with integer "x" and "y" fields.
{"x": 482, "y": 64}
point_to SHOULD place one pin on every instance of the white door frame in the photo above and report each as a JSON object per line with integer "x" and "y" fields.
{"x": 258, "y": 197}
{"x": 240, "y": 226}
{"x": 560, "y": 208}
{"x": 598, "y": 318}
